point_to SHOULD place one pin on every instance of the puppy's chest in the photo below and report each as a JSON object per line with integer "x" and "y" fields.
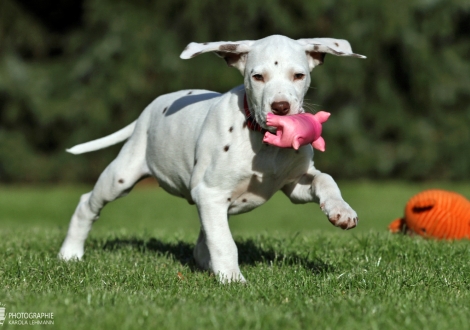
{"x": 251, "y": 192}
{"x": 266, "y": 172}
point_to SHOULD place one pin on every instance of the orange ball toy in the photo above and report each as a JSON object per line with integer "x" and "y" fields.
{"x": 435, "y": 213}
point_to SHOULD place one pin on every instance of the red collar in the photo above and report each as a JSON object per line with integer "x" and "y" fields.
{"x": 250, "y": 121}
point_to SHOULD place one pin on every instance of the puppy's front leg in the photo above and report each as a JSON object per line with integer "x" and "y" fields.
{"x": 331, "y": 202}
{"x": 315, "y": 186}
{"x": 215, "y": 236}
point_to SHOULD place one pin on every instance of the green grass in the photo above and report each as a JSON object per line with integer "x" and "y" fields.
{"x": 303, "y": 273}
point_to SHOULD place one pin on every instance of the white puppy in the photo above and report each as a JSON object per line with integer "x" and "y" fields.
{"x": 207, "y": 147}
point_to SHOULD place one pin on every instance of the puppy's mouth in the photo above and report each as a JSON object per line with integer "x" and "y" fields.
{"x": 257, "y": 119}
{"x": 262, "y": 119}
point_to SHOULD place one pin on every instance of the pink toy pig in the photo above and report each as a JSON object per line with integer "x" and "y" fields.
{"x": 297, "y": 130}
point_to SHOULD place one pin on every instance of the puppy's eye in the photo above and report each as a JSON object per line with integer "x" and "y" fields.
{"x": 258, "y": 77}
{"x": 299, "y": 76}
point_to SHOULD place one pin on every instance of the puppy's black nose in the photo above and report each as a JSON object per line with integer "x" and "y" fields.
{"x": 280, "y": 108}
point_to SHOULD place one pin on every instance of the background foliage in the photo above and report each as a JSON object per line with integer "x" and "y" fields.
{"x": 72, "y": 71}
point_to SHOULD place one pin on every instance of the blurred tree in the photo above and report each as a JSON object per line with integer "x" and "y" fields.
{"x": 75, "y": 70}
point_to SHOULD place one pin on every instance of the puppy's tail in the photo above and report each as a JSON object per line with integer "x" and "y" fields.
{"x": 104, "y": 142}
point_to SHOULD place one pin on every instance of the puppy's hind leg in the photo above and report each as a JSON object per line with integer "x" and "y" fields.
{"x": 115, "y": 181}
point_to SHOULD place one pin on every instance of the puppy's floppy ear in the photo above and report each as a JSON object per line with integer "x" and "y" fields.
{"x": 233, "y": 52}
{"x": 317, "y": 48}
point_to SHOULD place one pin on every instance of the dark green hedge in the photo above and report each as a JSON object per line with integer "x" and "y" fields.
{"x": 71, "y": 71}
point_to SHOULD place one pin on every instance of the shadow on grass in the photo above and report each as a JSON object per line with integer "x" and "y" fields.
{"x": 249, "y": 253}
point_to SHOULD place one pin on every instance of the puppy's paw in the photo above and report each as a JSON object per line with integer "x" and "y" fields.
{"x": 340, "y": 213}
{"x": 232, "y": 277}
{"x": 71, "y": 252}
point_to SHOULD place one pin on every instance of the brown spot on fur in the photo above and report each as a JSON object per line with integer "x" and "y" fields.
{"x": 195, "y": 54}
{"x": 244, "y": 200}
{"x": 190, "y": 92}
{"x": 164, "y": 110}
{"x": 206, "y": 43}
{"x": 336, "y": 44}
{"x": 228, "y": 47}
{"x": 230, "y": 58}
{"x": 230, "y": 129}
{"x": 316, "y": 47}
{"x": 229, "y": 199}
{"x": 226, "y": 148}
{"x": 244, "y": 124}
{"x": 275, "y": 63}
{"x": 121, "y": 181}
{"x": 319, "y": 57}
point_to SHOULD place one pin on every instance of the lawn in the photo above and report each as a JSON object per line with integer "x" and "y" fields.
{"x": 303, "y": 273}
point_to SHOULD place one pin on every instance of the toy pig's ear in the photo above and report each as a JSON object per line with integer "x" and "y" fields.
{"x": 317, "y": 48}
{"x": 322, "y": 116}
{"x": 233, "y": 52}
